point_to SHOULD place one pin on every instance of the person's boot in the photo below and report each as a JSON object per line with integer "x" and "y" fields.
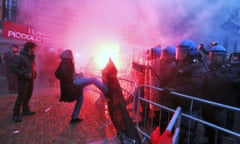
{"x": 17, "y": 118}
{"x": 16, "y": 114}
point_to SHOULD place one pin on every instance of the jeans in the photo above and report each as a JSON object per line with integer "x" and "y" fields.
{"x": 80, "y": 81}
{"x": 77, "y": 107}
{"x": 25, "y": 89}
{"x": 91, "y": 80}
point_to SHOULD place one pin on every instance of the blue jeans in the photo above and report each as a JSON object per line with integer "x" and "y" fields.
{"x": 77, "y": 107}
{"x": 91, "y": 80}
{"x": 85, "y": 82}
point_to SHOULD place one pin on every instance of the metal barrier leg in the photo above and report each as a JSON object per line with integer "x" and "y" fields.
{"x": 105, "y": 124}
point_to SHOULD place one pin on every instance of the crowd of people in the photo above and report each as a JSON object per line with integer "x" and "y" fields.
{"x": 195, "y": 71}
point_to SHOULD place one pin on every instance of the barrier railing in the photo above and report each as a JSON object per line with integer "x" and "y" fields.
{"x": 145, "y": 129}
{"x": 174, "y": 125}
{"x": 128, "y": 89}
{"x": 132, "y": 95}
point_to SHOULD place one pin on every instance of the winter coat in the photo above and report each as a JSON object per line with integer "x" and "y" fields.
{"x": 189, "y": 80}
{"x": 167, "y": 75}
{"x": 24, "y": 66}
{"x": 219, "y": 85}
{"x": 65, "y": 73}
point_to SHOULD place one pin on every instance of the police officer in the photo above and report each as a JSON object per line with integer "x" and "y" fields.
{"x": 168, "y": 65}
{"x": 190, "y": 71}
{"x": 217, "y": 87}
{"x": 233, "y": 69}
{"x": 235, "y": 63}
{"x": 154, "y": 70}
{"x": 168, "y": 69}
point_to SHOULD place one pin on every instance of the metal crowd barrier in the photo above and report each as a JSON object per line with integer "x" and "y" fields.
{"x": 146, "y": 127}
{"x": 128, "y": 89}
{"x": 130, "y": 94}
{"x": 174, "y": 125}
{"x": 133, "y": 97}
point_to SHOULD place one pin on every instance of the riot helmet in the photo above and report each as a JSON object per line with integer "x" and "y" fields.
{"x": 186, "y": 48}
{"x": 154, "y": 52}
{"x": 168, "y": 53}
{"x": 217, "y": 54}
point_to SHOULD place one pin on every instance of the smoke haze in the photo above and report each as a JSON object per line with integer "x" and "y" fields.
{"x": 135, "y": 25}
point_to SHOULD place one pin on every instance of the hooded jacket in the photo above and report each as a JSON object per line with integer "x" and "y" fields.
{"x": 65, "y": 73}
{"x": 24, "y": 66}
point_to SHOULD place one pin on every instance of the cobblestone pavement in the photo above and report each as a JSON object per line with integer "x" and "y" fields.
{"x": 51, "y": 124}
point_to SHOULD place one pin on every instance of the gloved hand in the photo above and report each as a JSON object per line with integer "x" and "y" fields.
{"x": 165, "y": 138}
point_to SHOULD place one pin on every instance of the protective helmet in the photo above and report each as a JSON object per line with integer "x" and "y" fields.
{"x": 217, "y": 53}
{"x": 187, "y": 46}
{"x": 218, "y": 49}
{"x": 154, "y": 52}
{"x": 169, "y": 52}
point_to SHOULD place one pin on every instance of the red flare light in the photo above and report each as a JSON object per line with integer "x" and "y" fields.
{"x": 106, "y": 51}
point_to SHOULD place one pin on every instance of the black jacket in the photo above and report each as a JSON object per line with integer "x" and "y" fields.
{"x": 24, "y": 66}
{"x": 65, "y": 73}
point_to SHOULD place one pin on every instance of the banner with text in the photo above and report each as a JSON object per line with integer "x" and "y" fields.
{"x": 21, "y": 32}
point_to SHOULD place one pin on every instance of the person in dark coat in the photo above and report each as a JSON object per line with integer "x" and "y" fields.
{"x": 188, "y": 80}
{"x": 234, "y": 65}
{"x": 25, "y": 69}
{"x": 8, "y": 58}
{"x": 216, "y": 87}
{"x": 220, "y": 86}
{"x": 167, "y": 75}
{"x": 233, "y": 70}
{"x": 72, "y": 84}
